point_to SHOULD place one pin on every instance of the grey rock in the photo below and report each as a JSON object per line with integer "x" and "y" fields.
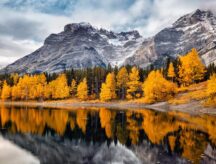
{"x": 81, "y": 45}
{"x": 194, "y": 30}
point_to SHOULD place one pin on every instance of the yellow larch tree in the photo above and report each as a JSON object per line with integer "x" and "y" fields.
{"x": 73, "y": 87}
{"x": 40, "y": 83}
{"x": 58, "y": 88}
{"x": 29, "y": 87}
{"x": 157, "y": 88}
{"x": 171, "y": 71}
{"x": 6, "y": 91}
{"x": 191, "y": 68}
{"x": 122, "y": 80}
{"x": 133, "y": 84}
{"x": 105, "y": 93}
{"x": 82, "y": 90}
{"x": 15, "y": 78}
{"x": 24, "y": 86}
{"x": 108, "y": 89}
{"x": 16, "y": 92}
{"x": 211, "y": 90}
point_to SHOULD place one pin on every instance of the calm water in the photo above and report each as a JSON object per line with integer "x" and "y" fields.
{"x": 100, "y": 135}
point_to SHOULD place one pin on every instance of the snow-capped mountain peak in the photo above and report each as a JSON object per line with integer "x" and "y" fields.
{"x": 82, "y": 45}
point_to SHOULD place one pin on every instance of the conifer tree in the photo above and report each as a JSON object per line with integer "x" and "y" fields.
{"x": 191, "y": 68}
{"x": 108, "y": 90}
{"x": 6, "y": 91}
{"x": 157, "y": 88}
{"x": 73, "y": 87}
{"x": 133, "y": 84}
{"x": 211, "y": 90}
{"x": 122, "y": 80}
{"x": 171, "y": 71}
{"x": 82, "y": 90}
{"x": 59, "y": 88}
{"x": 15, "y": 78}
{"x": 16, "y": 92}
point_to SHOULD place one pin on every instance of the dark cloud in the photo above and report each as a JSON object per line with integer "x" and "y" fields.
{"x": 24, "y": 24}
{"x": 21, "y": 29}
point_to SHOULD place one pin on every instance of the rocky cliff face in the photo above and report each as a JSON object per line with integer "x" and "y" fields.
{"x": 81, "y": 45}
{"x": 197, "y": 29}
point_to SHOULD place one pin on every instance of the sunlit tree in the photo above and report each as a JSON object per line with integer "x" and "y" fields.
{"x": 6, "y": 91}
{"x": 122, "y": 80}
{"x": 157, "y": 88}
{"x": 108, "y": 88}
{"x": 133, "y": 83}
{"x": 73, "y": 87}
{"x": 59, "y": 88}
{"x": 191, "y": 68}
{"x": 171, "y": 71}
{"x": 211, "y": 90}
{"x": 15, "y": 78}
{"x": 82, "y": 90}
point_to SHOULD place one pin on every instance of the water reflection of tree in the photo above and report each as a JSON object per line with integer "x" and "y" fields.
{"x": 180, "y": 132}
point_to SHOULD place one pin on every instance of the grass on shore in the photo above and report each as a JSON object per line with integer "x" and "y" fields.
{"x": 195, "y": 92}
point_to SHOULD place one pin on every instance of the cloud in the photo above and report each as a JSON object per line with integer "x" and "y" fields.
{"x": 24, "y": 24}
{"x": 11, "y": 50}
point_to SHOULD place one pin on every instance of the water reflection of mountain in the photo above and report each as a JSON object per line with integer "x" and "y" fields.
{"x": 174, "y": 132}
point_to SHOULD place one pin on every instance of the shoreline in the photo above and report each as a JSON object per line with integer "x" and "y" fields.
{"x": 193, "y": 107}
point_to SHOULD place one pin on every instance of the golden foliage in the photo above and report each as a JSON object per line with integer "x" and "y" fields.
{"x": 122, "y": 80}
{"x": 211, "y": 91}
{"x": 105, "y": 119}
{"x": 6, "y": 91}
{"x": 108, "y": 88}
{"x": 122, "y": 77}
{"x": 81, "y": 119}
{"x": 194, "y": 92}
{"x": 82, "y": 90}
{"x": 191, "y": 68}
{"x": 29, "y": 87}
{"x": 73, "y": 87}
{"x": 157, "y": 88}
{"x": 171, "y": 71}
{"x": 133, "y": 83}
{"x": 58, "y": 89}
{"x": 15, "y": 78}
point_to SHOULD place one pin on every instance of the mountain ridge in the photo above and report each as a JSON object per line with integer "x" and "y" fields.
{"x": 81, "y": 45}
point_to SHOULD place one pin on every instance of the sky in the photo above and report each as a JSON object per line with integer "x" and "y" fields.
{"x": 24, "y": 24}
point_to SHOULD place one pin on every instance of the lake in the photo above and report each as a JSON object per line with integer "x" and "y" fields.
{"x": 101, "y": 135}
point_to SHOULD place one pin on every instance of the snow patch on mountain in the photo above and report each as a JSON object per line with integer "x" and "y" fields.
{"x": 81, "y": 45}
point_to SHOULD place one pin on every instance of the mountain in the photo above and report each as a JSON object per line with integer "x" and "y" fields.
{"x": 197, "y": 29}
{"x": 81, "y": 45}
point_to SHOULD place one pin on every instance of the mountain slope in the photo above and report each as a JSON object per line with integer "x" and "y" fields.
{"x": 81, "y": 45}
{"x": 197, "y": 29}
